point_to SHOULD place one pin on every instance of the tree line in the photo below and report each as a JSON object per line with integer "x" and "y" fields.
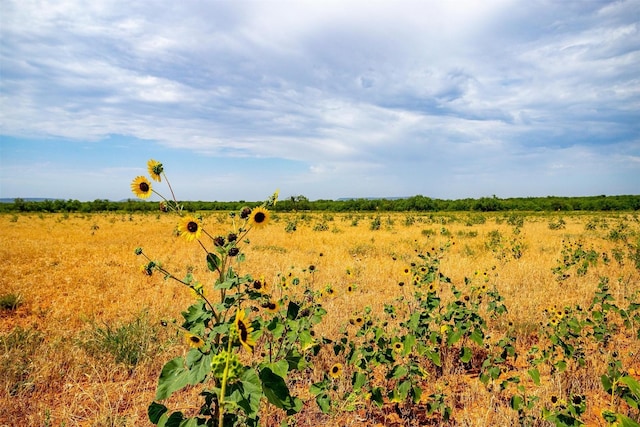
{"x": 417, "y": 203}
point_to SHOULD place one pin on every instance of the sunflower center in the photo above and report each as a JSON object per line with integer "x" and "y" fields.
{"x": 243, "y": 331}
{"x": 259, "y": 217}
{"x": 144, "y": 187}
{"x": 194, "y": 340}
{"x": 335, "y": 369}
{"x": 192, "y": 227}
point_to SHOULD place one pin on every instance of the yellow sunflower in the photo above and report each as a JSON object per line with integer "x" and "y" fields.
{"x": 155, "y": 170}
{"x": 189, "y": 228}
{"x": 336, "y": 370}
{"x": 398, "y": 347}
{"x": 271, "y": 307}
{"x": 259, "y": 217}
{"x": 244, "y": 331}
{"x": 141, "y": 187}
{"x": 193, "y": 340}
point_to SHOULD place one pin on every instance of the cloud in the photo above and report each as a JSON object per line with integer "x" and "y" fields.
{"x": 351, "y": 89}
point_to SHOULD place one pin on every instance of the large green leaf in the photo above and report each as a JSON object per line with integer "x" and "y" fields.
{"x": 246, "y": 393}
{"x": 465, "y": 354}
{"x": 155, "y": 411}
{"x": 213, "y": 261}
{"x": 199, "y": 366}
{"x": 173, "y": 377}
{"x": 277, "y": 392}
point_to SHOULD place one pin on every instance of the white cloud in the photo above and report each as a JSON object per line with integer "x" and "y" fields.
{"x": 346, "y": 87}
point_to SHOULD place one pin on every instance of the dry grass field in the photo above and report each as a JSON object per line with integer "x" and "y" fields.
{"x": 82, "y": 340}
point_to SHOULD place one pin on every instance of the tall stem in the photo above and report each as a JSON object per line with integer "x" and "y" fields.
{"x": 223, "y": 386}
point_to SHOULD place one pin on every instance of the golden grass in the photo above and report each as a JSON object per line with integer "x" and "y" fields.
{"x": 76, "y": 272}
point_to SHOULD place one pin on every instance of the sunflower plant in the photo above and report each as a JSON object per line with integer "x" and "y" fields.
{"x": 245, "y": 341}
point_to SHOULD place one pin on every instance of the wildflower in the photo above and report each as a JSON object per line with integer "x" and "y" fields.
{"x": 155, "y": 170}
{"x": 193, "y": 340}
{"x": 141, "y": 187}
{"x": 189, "y": 228}
{"x": 398, "y": 347}
{"x": 245, "y": 212}
{"x": 146, "y": 270}
{"x": 218, "y": 241}
{"x": 261, "y": 285}
{"x": 406, "y": 271}
{"x": 336, "y": 370}
{"x": 233, "y": 251}
{"x": 270, "y": 306}
{"x": 350, "y": 289}
{"x": 259, "y": 217}
{"x": 359, "y": 321}
{"x": 244, "y": 331}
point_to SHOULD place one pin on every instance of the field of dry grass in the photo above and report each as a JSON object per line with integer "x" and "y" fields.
{"x": 84, "y": 344}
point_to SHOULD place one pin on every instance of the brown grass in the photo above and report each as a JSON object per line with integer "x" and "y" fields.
{"x": 76, "y": 273}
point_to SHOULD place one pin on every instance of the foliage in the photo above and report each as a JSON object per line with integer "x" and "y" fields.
{"x": 299, "y": 203}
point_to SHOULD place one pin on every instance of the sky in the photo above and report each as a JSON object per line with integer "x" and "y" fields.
{"x": 328, "y": 99}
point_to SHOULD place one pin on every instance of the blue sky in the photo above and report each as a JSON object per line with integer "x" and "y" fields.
{"x": 326, "y": 99}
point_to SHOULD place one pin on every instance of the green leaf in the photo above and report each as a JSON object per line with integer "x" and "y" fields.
{"x": 324, "y": 402}
{"x": 306, "y": 339}
{"x": 465, "y": 354}
{"x": 434, "y": 356}
{"x": 477, "y": 336}
{"x": 606, "y": 383}
{"x": 398, "y": 371}
{"x": 173, "y": 377}
{"x": 453, "y": 337}
{"x": 213, "y": 261}
{"x": 633, "y": 385}
{"x": 626, "y": 421}
{"x": 155, "y": 411}
{"x": 535, "y": 375}
{"x": 279, "y": 368}
{"x": 292, "y": 310}
{"x": 516, "y": 402}
{"x": 246, "y": 393}
{"x": 199, "y": 365}
{"x": 358, "y": 380}
{"x": 277, "y": 392}
{"x": 174, "y": 420}
{"x": 376, "y": 396}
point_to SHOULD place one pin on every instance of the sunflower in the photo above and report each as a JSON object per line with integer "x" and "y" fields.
{"x": 398, "y": 347}
{"x": 261, "y": 285}
{"x": 406, "y": 271}
{"x": 336, "y": 370}
{"x": 155, "y": 170}
{"x": 271, "y": 307}
{"x": 244, "y": 331}
{"x": 141, "y": 187}
{"x": 259, "y": 217}
{"x": 189, "y": 228}
{"x": 193, "y": 340}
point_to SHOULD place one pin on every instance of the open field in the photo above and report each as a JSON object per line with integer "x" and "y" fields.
{"x": 83, "y": 342}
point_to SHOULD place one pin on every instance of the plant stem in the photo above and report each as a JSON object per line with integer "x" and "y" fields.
{"x": 223, "y": 386}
